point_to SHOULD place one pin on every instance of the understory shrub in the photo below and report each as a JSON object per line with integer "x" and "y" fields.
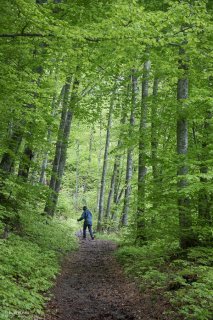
{"x": 194, "y": 295}
{"x": 29, "y": 263}
{"x": 186, "y": 277}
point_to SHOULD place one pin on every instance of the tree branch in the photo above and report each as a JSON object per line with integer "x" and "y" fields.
{"x": 5, "y": 35}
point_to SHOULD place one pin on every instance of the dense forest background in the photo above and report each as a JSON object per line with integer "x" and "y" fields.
{"x": 107, "y": 104}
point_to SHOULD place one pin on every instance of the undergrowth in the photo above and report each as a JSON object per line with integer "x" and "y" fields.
{"x": 108, "y": 236}
{"x": 185, "y": 277}
{"x": 29, "y": 263}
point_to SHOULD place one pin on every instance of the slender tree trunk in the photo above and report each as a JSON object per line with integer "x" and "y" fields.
{"x": 142, "y": 153}
{"x": 117, "y": 178}
{"x": 205, "y": 197}
{"x": 127, "y": 193}
{"x": 129, "y": 164}
{"x": 24, "y": 167}
{"x": 61, "y": 146}
{"x": 154, "y": 133}
{"x": 33, "y": 179}
{"x": 42, "y": 178}
{"x": 114, "y": 185}
{"x": 64, "y": 148}
{"x": 154, "y": 146}
{"x": 99, "y": 165}
{"x": 89, "y": 173}
{"x": 55, "y": 104}
{"x": 91, "y": 140}
{"x": 118, "y": 189}
{"x": 7, "y": 160}
{"x": 104, "y": 170}
{"x": 77, "y": 145}
{"x": 111, "y": 191}
{"x": 60, "y": 134}
{"x": 182, "y": 150}
{"x": 114, "y": 188}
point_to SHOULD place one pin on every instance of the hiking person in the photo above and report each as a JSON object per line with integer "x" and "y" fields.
{"x": 87, "y": 217}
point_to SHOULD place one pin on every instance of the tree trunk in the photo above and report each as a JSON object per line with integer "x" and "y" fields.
{"x": 204, "y": 197}
{"x": 24, "y": 167}
{"x": 111, "y": 191}
{"x": 61, "y": 146}
{"x": 7, "y": 161}
{"x": 42, "y": 178}
{"x": 129, "y": 164}
{"x": 55, "y": 104}
{"x": 104, "y": 170}
{"x": 114, "y": 185}
{"x": 154, "y": 147}
{"x": 182, "y": 150}
{"x": 77, "y": 173}
{"x": 154, "y": 133}
{"x": 118, "y": 192}
{"x": 142, "y": 153}
{"x": 60, "y": 134}
{"x": 91, "y": 139}
{"x": 99, "y": 164}
{"x": 87, "y": 178}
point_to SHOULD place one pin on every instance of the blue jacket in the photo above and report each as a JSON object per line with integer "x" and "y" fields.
{"x": 87, "y": 216}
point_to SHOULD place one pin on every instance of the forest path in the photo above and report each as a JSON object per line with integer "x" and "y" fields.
{"x": 92, "y": 286}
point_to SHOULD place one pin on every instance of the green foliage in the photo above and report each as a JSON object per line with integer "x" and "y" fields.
{"x": 187, "y": 282}
{"x": 115, "y": 237}
{"x": 195, "y": 301}
{"x": 201, "y": 255}
{"x": 194, "y": 297}
{"x": 145, "y": 262}
{"x": 42, "y": 44}
{"x": 29, "y": 264}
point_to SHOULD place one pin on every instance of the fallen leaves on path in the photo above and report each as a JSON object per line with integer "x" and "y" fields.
{"x": 92, "y": 286}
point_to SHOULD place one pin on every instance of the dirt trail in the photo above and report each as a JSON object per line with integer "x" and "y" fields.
{"x": 92, "y": 286}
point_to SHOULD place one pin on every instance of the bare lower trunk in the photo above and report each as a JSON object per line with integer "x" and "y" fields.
{"x": 7, "y": 160}
{"x": 205, "y": 197}
{"x": 77, "y": 173}
{"x": 42, "y": 178}
{"x": 114, "y": 185}
{"x": 129, "y": 164}
{"x": 60, "y": 134}
{"x": 104, "y": 170}
{"x": 154, "y": 146}
{"x": 111, "y": 191}
{"x": 64, "y": 149}
{"x": 127, "y": 193}
{"x": 154, "y": 133}
{"x": 61, "y": 147}
{"x": 182, "y": 150}
{"x": 55, "y": 104}
{"x": 99, "y": 164}
{"x": 91, "y": 140}
{"x": 142, "y": 153}
{"x": 25, "y": 163}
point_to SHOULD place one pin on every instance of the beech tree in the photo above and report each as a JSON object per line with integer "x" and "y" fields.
{"x": 150, "y": 169}
{"x": 104, "y": 170}
{"x": 129, "y": 161}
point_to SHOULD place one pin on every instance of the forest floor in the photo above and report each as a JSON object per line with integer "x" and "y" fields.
{"x": 92, "y": 286}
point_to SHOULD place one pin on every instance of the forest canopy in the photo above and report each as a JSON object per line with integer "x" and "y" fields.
{"x": 106, "y": 104}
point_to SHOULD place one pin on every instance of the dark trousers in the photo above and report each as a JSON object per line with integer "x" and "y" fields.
{"x": 90, "y": 230}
